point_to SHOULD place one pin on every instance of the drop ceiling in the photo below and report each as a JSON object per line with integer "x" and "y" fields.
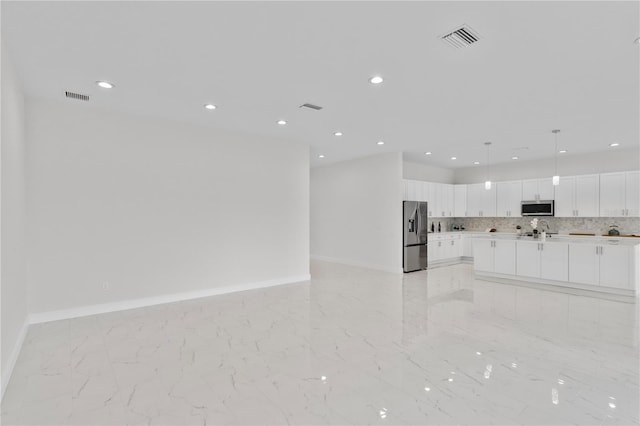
{"x": 538, "y": 66}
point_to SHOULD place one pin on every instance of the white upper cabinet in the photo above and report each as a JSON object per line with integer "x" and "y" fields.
{"x": 577, "y": 196}
{"x": 587, "y": 195}
{"x": 446, "y": 198}
{"x": 537, "y": 189}
{"x": 474, "y": 199}
{"x": 480, "y": 201}
{"x": 508, "y": 198}
{"x": 633, "y": 194}
{"x": 613, "y": 194}
{"x": 489, "y": 201}
{"x": 460, "y": 200}
{"x": 565, "y": 197}
{"x": 605, "y": 195}
{"x": 414, "y": 190}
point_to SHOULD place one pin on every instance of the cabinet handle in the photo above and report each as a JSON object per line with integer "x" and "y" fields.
{"x": 601, "y": 250}
{"x": 622, "y": 212}
{"x": 577, "y": 212}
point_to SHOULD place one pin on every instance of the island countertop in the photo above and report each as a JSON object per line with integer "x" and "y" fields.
{"x": 559, "y": 238}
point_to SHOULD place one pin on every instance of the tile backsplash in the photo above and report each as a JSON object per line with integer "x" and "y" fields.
{"x": 596, "y": 225}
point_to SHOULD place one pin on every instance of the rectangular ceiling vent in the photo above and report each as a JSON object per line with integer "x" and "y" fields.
{"x": 311, "y": 106}
{"x": 77, "y": 96}
{"x": 462, "y": 37}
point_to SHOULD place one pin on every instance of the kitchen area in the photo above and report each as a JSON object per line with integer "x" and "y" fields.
{"x": 583, "y": 233}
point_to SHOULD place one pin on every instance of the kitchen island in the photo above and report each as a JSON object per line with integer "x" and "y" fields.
{"x": 602, "y": 264}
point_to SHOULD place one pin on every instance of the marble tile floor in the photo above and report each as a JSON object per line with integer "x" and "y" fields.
{"x": 352, "y": 346}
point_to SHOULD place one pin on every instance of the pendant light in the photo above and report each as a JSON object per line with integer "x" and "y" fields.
{"x": 487, "y": 183}
{"x": 556, "y": 178}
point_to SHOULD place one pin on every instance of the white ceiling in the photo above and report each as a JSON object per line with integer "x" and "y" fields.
{"x": 539, "y": 66}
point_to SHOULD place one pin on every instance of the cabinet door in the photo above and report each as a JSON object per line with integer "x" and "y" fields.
{"x": 529, "y": 190}
{"x": 565, "y": 197}
{"x": 457, "y": 247}
{"x": 614, "y": 266}
{"x": 515, "y": 203}
{"x": 447, "y": 199}
{"x": 434, "y": 250}
{"x": 633, "y": 194}
{"x": 528, "y": 259}
{"x": 546, "y": 189}
{"x": 430, "y": 195}
{"x": 503, "y": 195}
{"x": 505, "y": 257}
{"x": 474, "y": 199}
{"x": 612, "y": 194}
{"x": 422, "y": 192}
{"x": 587, "y": 199}
{"x": 410, "y": 190}
{"x": 436, "y": 203}
{"x": 460, "y": 200}
{"x": 467, "y": 246}
{"x": 483, "y": 255}
{"x": 508, "y": 198}
{"x": 449, "y": 248}
{"x": 583, "y": 263}
{"x": 554, "y": 261}
{"x": 488, "y": 206}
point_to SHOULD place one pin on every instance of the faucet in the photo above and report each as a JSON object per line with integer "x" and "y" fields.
{"x": 545, "y": 223}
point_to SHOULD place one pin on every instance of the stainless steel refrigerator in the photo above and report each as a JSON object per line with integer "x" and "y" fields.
{"x": 414, "y": 233}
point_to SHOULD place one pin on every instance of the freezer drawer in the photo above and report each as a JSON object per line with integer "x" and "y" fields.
{"x": 415, "y": 258}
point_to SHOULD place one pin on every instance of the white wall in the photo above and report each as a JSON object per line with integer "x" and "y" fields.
{"x": 155, "y": 208}
{"x": 417, "y": 171}
{"x": 13, "y": 287}
{"x": 356, "y": 212}
{"x": 612, "y": 160}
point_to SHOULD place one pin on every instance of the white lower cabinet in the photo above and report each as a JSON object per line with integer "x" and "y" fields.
{"x": 606, "y": 265}
{"x": 444, "y": 248}
{"x": 548, "y": 261}
{"x": 498, "y": 256}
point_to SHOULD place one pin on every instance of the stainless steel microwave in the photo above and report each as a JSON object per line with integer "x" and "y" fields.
{"x": 538, "y": 208}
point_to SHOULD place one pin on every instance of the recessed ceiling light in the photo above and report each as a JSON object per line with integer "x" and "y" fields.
{"x": 614, "y": 144}
{"x": 514, "y": 158}
{"x": 427, "y": 153}
{"x": 476, "y": 162}
{"x": 282, "y": 122}
{"x": 320, "y": 156}
{"x": 376, "y": 79}
{"x": 105, "y": 84}
{"x": 637, "y": 41}
{"x": 210, "y": 106}
{"x": 454, "y": 158}
{"x": 380, "y": 143}
{"x": 337, "y": 134}
{"x": 562, "y": 151}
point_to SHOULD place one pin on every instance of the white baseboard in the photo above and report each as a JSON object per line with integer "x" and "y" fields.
{"x": 158, "y": 300}
{"x": 13, "y": 357}
{"x": 358, "y": 264}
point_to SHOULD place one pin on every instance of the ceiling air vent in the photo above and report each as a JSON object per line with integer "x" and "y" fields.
{"x": 76, "y": 96}
{"x": 311, "y": 106}
{"x": 462, "y": 37}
